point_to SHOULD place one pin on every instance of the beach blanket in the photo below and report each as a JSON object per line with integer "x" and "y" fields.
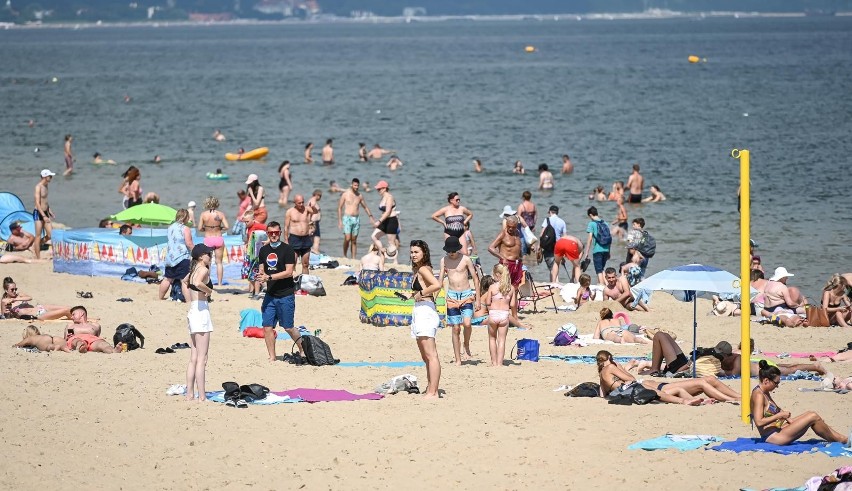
{"x": 250, "y": 318}
{"x": 587, "y": 339}
{"x": 798, "y": 447}
{"x": 323, "y": 395}
{"x": 797, "y": 375}
{"x": 680, "y": 442}
{"x": 587, "y": 359}
{"x": 799, "y": 354}
{"x": 269, "y": 400}
{"x": 391, "y": 364}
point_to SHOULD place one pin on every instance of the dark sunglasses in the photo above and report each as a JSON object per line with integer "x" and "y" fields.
{"x": 274, "y": 233}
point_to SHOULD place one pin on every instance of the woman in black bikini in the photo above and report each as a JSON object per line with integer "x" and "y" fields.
{"x": 424, "y": 316}
{"x": 388, "y": 223}
{"x": 616, "y": 381}
{"x": 777, "y": 426}
{"x": 285, "y": 183}
{"x": 836, "y": 302}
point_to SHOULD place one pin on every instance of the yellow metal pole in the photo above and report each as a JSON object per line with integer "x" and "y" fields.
{"x": 745, "y": 283}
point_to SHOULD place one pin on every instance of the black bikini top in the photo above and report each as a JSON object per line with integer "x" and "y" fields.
{"x": 195, "y": 288}
{"x": 416, "y": 286}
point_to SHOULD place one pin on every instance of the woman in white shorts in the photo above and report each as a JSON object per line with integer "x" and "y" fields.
{"x": 200, "y": 324}
{"x": 424, "y": 318}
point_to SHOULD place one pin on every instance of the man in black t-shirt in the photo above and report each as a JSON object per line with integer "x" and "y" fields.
{"x": 277, "y": 261}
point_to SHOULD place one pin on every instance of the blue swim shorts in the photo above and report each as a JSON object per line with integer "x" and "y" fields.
{"x": 456, "y": 315}
{"x": 280, "y": 310}
{"x": 351, "y": 225}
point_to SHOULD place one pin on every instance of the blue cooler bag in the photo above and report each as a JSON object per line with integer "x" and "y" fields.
{"x": 527, "y": 349}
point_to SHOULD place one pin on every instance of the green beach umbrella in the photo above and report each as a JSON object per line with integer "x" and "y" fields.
{"x": 152, "y": 214}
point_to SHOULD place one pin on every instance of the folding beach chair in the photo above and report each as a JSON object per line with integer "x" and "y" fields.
{"x": 529, "y": 292}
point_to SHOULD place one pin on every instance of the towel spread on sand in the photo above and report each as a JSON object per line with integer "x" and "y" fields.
{"x": 391, "y": 364}
{"x": 797, "y": 375}
{"x": 800, "y": 354}
{"x": 323, "y": 395}
{"x": 270, "y": 398}
{"x": 809, "y": 446}
{"x": 680, "y": 442}
{"x": 587, "y": 359}
{"x": 250, "y": 318}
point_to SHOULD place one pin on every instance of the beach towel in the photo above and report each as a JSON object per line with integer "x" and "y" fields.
{"x": 798, "y": 447}
{"x": 389, "y": 364}
{"x": 323, "y": 395}
{"x": 587, "y": 359}
{"x": 587, "y": 339}
{"x": 680, "y": 442}
{"x": 250, "y": 318}
{"x": 799, "y": 354}
{"x": 797, "y": 375}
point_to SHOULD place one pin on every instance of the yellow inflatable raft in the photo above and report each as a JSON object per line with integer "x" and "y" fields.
{"x": 257, "y": 153}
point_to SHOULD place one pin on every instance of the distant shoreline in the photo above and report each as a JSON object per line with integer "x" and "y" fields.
{"x": 647, "y": 15}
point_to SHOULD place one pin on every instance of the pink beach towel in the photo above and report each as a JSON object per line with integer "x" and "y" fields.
{"x": 323, "y": 395}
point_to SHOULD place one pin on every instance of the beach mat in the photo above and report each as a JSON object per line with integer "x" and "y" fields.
{"x": 390, "y": 364}
{"x": 798, "y": 447}
{"x": 324, "y": 395}
{"x": 679, "y": 442}
{"x": 270, "y": 399}
{"x": 799, "y": 354}
{"x": 587, "y": 359}
{"x": 798, "y": 375}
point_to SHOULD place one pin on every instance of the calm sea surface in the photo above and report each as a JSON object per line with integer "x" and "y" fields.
{"x": 609, "y": 93}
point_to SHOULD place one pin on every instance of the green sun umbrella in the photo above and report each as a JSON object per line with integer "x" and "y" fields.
{"x": 151, "y": 214}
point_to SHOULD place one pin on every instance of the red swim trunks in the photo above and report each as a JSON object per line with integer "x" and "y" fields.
{"x": 566, "y": 247}
{"x": 89, "y": 339}
{"x": 516, "y": 270}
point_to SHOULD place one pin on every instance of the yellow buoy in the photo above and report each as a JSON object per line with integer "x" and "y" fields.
{"x": 693, "y": 59}
{"x": 530, "y": 49}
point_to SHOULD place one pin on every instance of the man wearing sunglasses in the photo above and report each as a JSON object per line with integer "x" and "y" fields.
{"x": 277, "y": 263}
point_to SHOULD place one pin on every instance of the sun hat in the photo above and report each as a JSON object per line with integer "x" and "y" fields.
{"x": 724, "y": 308}
{"x": 381, "y": 184}
{"x": 452, "y": 244}
{"x": 251, "y": 178}
{"x": 780, "y": 272}
{"x": 47, "y": 172}
{"x": 723, "y": 348}
{"x": 200, "y": 250}
{"x": 507, "y": 211}
{"x": 191, "y": 204}
{"x": 391, "y": 251}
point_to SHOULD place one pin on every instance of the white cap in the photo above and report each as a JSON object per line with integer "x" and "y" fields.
{"x": 191, "y": 204}
{"x": 507, "y": 211}
{"x": 47, "y": 172}
{"x": 780, "y": 272}
{"x": 251, "y": 178}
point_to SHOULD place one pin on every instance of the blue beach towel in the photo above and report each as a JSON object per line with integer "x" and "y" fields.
{"x": 587, "y": 359}
{"x": 809, "y": 446}
{"x": 797, "y": 375}
{"x": 391, "y": 364}
{"x": 680, "y": 442}
{"x": 250, "y": 318}
{"x": 270, "y": 399}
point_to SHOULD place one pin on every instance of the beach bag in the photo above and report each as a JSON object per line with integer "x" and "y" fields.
{"x": 647, "y": 245}
{"x": 603, "y": 237}
{"x": 128, "y": 334}
{"x": 548, "y": 239}
{"x": 312, "y": 285}
{"x": 317, "y": 352}
{"x": 586, "y": 389}
{"x": 527, "y": 350}
{"x": 707, "y": 365}
{"x": 642, "y": 396}
{"x": 529, "y": 236}
{"x": 566, "y": 335}
{"x": 817, "y": 317}
{"x": 176, "y": 293}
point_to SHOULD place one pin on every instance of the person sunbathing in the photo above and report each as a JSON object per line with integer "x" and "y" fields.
{"x": 616, "y": 381}
{"x": 663, "y": 348}
{"x": 81, "y": 323}
{"x": 15, "y": 305}
{"x": 777, "y": 426}
{"x": 731, "y": 366}
{"x": 613, "y": 330}
{"x": 33, "y": 338}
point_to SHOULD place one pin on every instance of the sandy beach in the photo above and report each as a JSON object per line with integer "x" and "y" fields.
{"x": 105, "y": 421}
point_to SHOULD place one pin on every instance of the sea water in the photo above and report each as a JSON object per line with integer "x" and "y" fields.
{"x": 608, "y": 93}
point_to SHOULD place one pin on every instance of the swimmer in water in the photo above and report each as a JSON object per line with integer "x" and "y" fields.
{"x": 97, "y": 158}
{"x": 477, "y": 165}
{"x": 656, "y": 195}
{"x": 545, "y": 177}
{"x": 394, "y": 163}
{"x": 519, "y": 168}
{"x": 218, "y": 136}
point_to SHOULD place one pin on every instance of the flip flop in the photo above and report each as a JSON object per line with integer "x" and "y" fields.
{"x": 161, "y": 351}
{"x": 124, "y": 299}
{"x": 241, "y": 404}
{"x": 84, "y": 294}
{"x": 231, "y": 403}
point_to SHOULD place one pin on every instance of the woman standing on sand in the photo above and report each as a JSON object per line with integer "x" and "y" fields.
{"x": 424, "y": 317}
{"x": 200, "y": 324}
{"x": 779, "y": 427}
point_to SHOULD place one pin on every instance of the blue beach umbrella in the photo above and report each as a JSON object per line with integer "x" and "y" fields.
{"x": 691, "y": 279}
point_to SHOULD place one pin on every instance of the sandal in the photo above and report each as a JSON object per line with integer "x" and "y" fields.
{"x": 84, "y": 294}
{"x": 241, "y": 404}
{"x": 162, "y": 351}
{"x": 231, "y": 403}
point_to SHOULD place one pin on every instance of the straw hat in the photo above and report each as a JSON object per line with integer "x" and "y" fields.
{"x": 780, "y": 272}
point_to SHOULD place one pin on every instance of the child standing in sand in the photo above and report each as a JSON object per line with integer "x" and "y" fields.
{"x": 200, "y": 324}
{"x": 500, "y": 299}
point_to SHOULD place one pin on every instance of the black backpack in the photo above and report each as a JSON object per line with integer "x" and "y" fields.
{"x": 647, "y": 245}
{"x": 548, "y": 238}
{"x": 127, "y": 333}
{"x": 586, "y": 389}
{"x": 317, "y": 352}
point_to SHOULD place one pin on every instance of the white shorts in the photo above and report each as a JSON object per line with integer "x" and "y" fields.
{"x": 199, "y": 317}
{"x": 424, "y": 320}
